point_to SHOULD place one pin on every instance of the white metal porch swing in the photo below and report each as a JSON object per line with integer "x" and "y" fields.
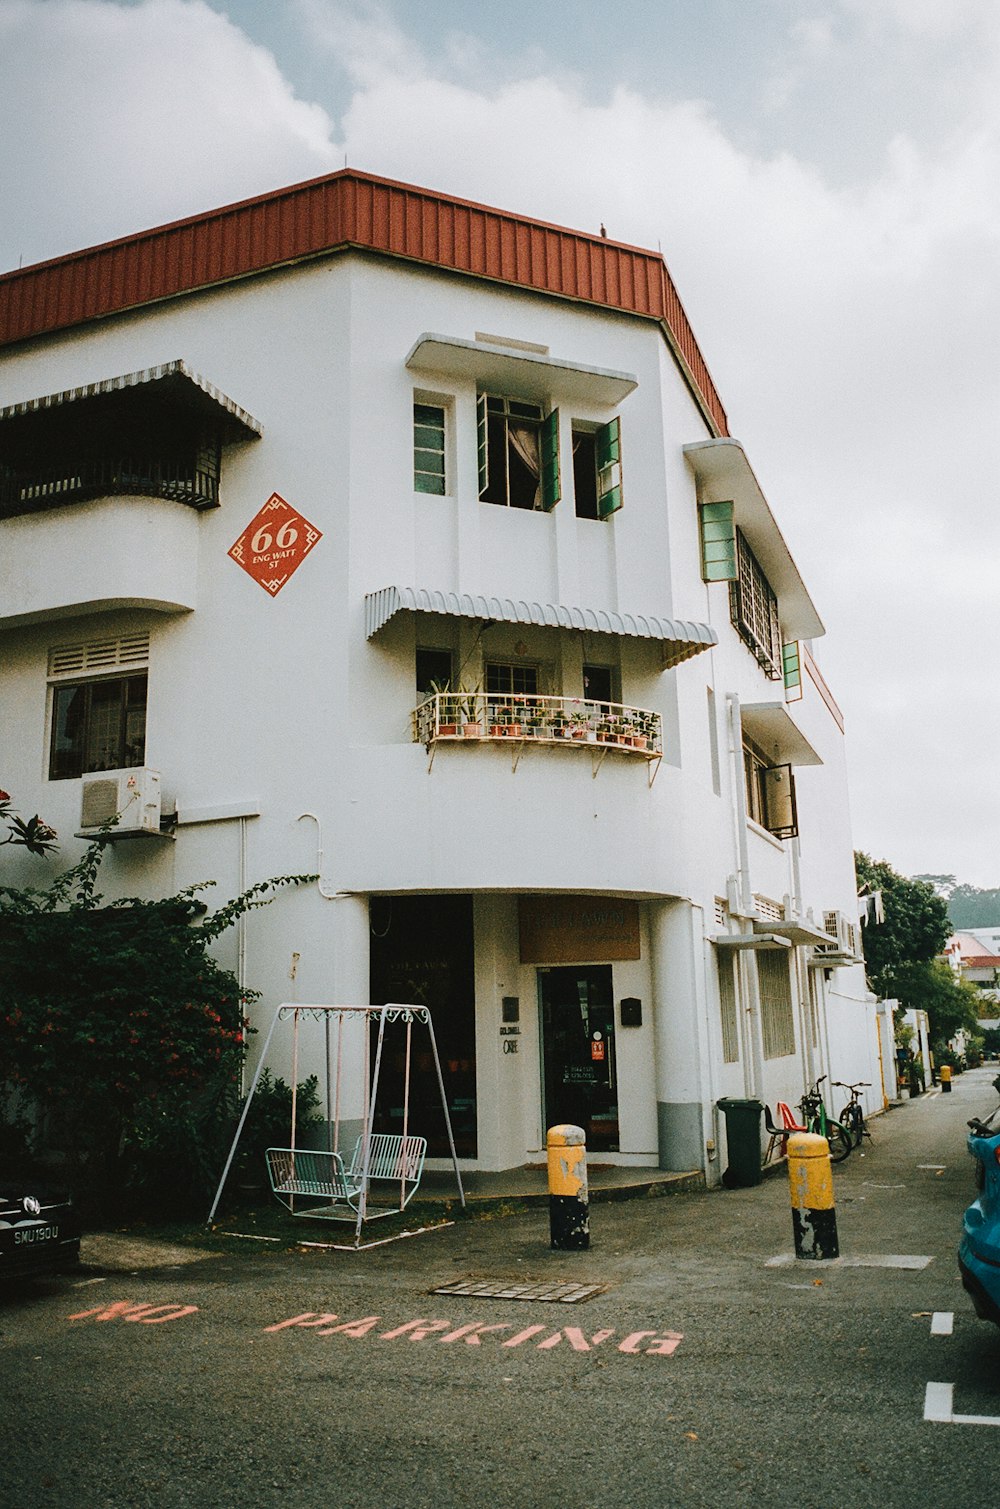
{"x": 329, "y": 1183}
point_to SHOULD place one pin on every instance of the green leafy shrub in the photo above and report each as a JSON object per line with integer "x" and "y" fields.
{"x": 124, "y": 1033}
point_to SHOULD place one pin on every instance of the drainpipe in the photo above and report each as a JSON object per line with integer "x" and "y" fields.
{"x": 753, "y": 1050}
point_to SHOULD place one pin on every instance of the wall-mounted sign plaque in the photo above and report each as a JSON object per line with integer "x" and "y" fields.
{"x": 274, "y": 544}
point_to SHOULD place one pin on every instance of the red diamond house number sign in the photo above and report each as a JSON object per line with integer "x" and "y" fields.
{"x": 274, "y": 544}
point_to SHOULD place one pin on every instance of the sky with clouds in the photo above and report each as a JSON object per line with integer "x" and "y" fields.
{"x": 822, "y": 177}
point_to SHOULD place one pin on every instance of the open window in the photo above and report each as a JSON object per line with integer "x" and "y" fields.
{"x": 597, "y": 470}
{"x": 770, "y": 793}
{"x": 518, "y": 454}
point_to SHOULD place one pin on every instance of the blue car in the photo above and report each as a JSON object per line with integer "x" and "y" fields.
{"x": 979, "y": 1253}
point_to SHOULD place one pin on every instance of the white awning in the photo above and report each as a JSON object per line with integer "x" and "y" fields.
{"x": 750, "y": 940}
{"x": 680, "y": 639}
{"x": 800, "y": 932}
{"x": 772, "y": 726}
{"x": 723, "y": 472}
{"x": 520, "y": 371}
{"x": 174, "y": 379}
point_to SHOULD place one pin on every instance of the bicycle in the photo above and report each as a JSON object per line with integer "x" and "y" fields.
{"x": 852, "y": 1117}
{"x": 816, "y": 1120}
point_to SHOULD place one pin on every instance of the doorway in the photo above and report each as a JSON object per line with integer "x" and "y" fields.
{"x": 422, "y": 950}
{"x": 579, "y": 1068}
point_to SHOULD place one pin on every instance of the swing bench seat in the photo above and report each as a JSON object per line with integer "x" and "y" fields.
{"x": 315, "y": 1174}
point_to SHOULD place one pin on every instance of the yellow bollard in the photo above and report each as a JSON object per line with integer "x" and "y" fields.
{"x": 569, "y": 1208}
{"x": 944, "y": 1074}
{"x": 810, "y": 1179}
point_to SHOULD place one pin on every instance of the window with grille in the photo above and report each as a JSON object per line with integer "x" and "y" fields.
{"x": 777, "y": 1018}
{"x": 97, "y": 725}
{"x": 753, "y": 608}
{"x": 728, "y": 1005}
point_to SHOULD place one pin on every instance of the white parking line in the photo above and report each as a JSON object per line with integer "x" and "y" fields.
{"x": 913, "y": 1262}
{"x": 938, "y": 1402}
{"x": 939, "y": 1405}
{"x": 942, "y": 1322}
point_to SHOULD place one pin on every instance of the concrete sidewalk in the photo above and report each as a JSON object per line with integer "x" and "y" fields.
{"x": 529, "y": 1185}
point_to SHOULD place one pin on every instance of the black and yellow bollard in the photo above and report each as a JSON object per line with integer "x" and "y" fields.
{"x": 810, "y": 1178}
{"x": 569, "y": 1207}
{"x": 944, "y": 1074}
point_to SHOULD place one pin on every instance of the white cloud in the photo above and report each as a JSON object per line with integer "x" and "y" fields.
{"x": 115, "y": 118}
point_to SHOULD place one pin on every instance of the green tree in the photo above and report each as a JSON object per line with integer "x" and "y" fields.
{"x": 121, "y": 1030}
{"x": 915, "y": 929}
{"x": 931, "y": 985}
{"x": 968, "y": 906}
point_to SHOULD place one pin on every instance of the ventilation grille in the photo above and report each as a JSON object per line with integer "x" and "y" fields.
{"x": 99, "y": 655}
{"x": 721, "y": 912}
{"x": 770, "y": 911}
{"x": 99, "y": 802}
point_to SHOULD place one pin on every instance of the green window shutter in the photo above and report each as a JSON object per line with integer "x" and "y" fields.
{"x": 608, "y": 449}
{"x": 717, "y": 524}
{"x": 482, "y": 435}
{"x": 548, "y": 445}
{"x": 791, "y": 664}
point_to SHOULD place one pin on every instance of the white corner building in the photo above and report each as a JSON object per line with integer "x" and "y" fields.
{"x": 363, "y": 531}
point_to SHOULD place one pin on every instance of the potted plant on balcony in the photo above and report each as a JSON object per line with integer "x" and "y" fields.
{"x": 469, "y": 702}
{"x": 445, "y": 710}
{"x": 510, "y": 722}
{"x": 581, "y": 724}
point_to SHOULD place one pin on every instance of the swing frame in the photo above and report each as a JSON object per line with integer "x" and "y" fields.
{"x": 343, "y": 1188}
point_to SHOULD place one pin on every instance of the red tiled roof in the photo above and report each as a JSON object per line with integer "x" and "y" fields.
{"x": 351, "y": 209}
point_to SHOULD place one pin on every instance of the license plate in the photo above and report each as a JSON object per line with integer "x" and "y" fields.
{"x": 35, "y": 1236}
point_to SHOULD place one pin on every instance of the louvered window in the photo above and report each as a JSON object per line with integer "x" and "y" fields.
{"x": 726, "y": 959}
{"x": 99, "y": 655}
{"x": 776, "y": 1016}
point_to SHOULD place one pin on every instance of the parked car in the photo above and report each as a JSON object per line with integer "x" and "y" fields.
{"x": 979, "y": 1252}
{"x": 39, "y": 1229}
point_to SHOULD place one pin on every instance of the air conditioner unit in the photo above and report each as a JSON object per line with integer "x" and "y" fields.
{"x": 133, "y": 796}
{"x": 844, "y": 931}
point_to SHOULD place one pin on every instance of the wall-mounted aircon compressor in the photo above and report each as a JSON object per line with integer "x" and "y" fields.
{"x": 846, "y": 933}
{"x": 131, "y": 795}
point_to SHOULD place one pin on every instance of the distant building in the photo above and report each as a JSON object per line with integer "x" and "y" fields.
{"x": 973, "y": 957}
{"x": 364, "y": 530}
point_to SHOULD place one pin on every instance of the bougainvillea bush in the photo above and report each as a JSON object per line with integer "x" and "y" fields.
{"x": 123, "y": 1032}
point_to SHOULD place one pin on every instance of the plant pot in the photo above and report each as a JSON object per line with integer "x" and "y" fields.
{"x": 447, "y": 730}
{"x": 472, "y": 731}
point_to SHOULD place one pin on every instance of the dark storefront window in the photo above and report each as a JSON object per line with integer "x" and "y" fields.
{"x": 422, "y": 954}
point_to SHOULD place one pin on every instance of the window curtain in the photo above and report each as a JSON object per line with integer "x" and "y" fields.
{"x": 524, "y": 442}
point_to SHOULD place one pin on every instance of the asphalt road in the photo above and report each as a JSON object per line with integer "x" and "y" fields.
{"x": 706, "y": 1373}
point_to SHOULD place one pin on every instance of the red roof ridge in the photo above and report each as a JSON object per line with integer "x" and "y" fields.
{"x": 361, "y": 210}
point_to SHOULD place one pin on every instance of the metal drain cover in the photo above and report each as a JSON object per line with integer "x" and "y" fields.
{"x": 564, "y": 1294}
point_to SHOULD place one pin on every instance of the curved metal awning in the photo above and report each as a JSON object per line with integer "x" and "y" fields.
{"x": 679, "y": 638}
{"x": 173, "y": 380}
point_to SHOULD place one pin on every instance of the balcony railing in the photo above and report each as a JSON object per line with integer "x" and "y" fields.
{"x": 73, "y": 482}
{"x": 522, "y": 720}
